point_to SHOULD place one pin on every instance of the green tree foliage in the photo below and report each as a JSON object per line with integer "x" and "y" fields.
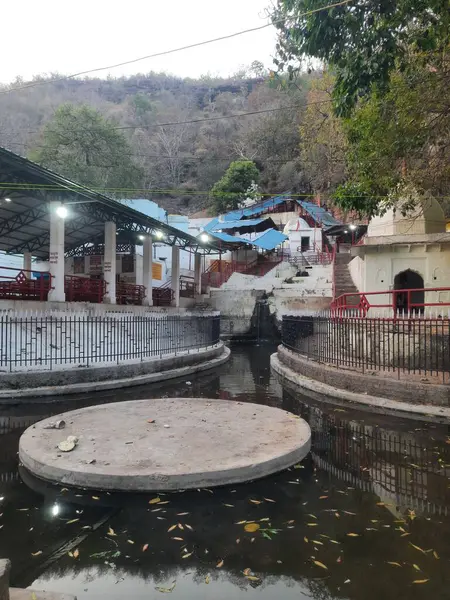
{"x": 399, "y": 138}
{"x": 363, "y": 40}
{"x": 84, "y": 146}
{"x": 234, "y": 186}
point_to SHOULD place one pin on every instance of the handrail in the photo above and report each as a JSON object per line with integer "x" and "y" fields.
{"x": 402, "y": 302}
{"x": 84, "y": 289}
{"x": 23, "y": 287}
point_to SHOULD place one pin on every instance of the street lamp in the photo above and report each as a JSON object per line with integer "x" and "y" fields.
{"x": 204, "y": 237}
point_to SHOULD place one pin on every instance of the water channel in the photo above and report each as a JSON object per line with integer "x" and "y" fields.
{"x": 366, "y": 516}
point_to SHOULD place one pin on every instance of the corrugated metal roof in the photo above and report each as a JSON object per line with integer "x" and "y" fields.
{"x": 256, "y": 209}
{"x": 236, "y": 224}
{"x": 319, "y": 214}
{"x": 270, "y": 239}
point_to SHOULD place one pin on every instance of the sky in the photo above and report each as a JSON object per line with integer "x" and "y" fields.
{"x": 63, "y": 36}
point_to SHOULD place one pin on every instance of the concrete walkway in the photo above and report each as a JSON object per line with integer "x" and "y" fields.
{"x": 7, "y": 593}
{"x": 167, "y": 444}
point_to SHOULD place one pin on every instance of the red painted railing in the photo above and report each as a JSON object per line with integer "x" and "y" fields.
{"x": 19, "y": 285}
{"x": 163, "y": 295}
{"x": 408, "y": 302}
{"x": 187, "y": 287}
{"x": 83, "y": 289}
{"x": 128, "y": 293}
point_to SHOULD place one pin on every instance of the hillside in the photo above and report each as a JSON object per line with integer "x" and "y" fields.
{"x": 187, "y": 159}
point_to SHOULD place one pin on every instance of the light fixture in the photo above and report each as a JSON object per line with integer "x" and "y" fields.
{"x": 56, "y": 509}
{"x": 204, "y": 237}
{"x": 7, "y": 199}
{"x": 352, "y": 227}
{"x": 345, "y": 231}
{"x": 159, "y": 234}
{"x": 141, "y": 237}
{"x": 62, "y": 211}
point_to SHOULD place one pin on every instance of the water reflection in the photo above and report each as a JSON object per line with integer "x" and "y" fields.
{"x": 384, "y": 481}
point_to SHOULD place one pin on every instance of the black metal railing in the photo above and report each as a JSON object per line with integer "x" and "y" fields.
{"x": 50, "y": 342}
{"x": 402, "y": 346}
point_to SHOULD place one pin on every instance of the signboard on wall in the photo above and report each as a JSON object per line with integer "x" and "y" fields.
{"x": 78, "y": 265}
{"x": 157, "y": 271}
{"x": 95, "y": 264}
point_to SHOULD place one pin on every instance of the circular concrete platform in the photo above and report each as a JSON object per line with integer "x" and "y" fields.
{"x": 167, "y": 444}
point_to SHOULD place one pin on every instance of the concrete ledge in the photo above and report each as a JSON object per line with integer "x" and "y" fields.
{"x": 77, "y": 381}
{"x": 18, "y": 594}
{"x": 166, "y": 444}
{"x": 342, "y": 397}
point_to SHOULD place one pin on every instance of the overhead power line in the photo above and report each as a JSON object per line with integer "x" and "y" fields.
{"x": 12, "y": 187}
{"x": 171, "y": 51}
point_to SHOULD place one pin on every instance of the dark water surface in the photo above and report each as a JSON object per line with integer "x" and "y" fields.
{"x": 364, "y": 517}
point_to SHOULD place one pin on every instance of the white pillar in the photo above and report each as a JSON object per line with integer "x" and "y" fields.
{"x": 176, "y": 276}
{"x": 147, "y": 263}
{"x": 198, "y": 274}
{"x": 109, "y": 263}
{"x": 27, "y": 264}
{"x": 56, "y": 254}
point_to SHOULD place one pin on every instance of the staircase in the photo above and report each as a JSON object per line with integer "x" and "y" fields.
{"x": 343, "y": 283}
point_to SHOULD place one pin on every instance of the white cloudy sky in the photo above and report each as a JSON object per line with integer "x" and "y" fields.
{"x": 44, "y": 36}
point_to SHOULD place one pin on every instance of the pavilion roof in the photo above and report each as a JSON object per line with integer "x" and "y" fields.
{"x": 25, "y": 220}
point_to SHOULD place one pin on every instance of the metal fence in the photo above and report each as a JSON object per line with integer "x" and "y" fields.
{"x": 407, "y": 346}
{"x": 33, "y": 343}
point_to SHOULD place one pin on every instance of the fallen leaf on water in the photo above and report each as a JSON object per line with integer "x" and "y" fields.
{"x": 238, "y": 540}
{"x": 306, "y": 539}
{"x": 180, "y": 526}
{"x": 247, "y": 572}
{"x": 339, "y": 559}
{"x": 323, "y": 497}
{"x": 417, "y": 568}
{"x": 241, "y": 522}
{"x": 111, "y": 532}
{"x": 38, "y": 553}
{"x": 264, "y": 520}
{"x": 255, "y": 501}
{"x": 76, "y": 553}
{"x": 405, "y": 534}
{"x": 337, "y": 515}
{"x": 178, "y": 539}
{"x": 95, "y": 498}
{"x": 319, "y": 564}
{"x": 394, "y": 564}
{"x": 155, "y": 501}
{"x": 435, "y": 554}
{"x": 187, "y": 555}
{"x": 171, "y": 528}
{"x": 165, "y": 502}
{"x": 72, "y": 521}
{"x": 353, "y": 534}
{"x": 251, "y": 527}
{"x": 317, "y": 542}
{"x": 144, "y": 547}
{"x": 168, "y": 590}
{"x": 130, "y": 541}
{"x": 188, "y": 526}
{"x": 312, "y": 524}
{"x": 269, "y": 500}
{"x": 347, "y": 512}
{"x": 417, "y": 548}
{"x": 207, "y": 579}
{"x": 311, "y": 515}
{"x": 334, "y": 542}
{"x": 182, "y": 514}
{"x": 420, "y": 580}
{"x": 229, "y": 505}
{"x": 252, "y": 578}
{"x": 150, "y": 420}
{"x": 347, "y": 581}
{"x": 219, "y": 564}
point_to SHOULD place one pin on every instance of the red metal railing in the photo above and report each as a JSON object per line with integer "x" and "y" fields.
{"x": 20, "y": 285}
{"x": 128, "y": 293}
{"x": 163, "y": 295}
{"x": 407, "y": 302}
{"x": 83, "y": 289}
{"x": 187, "y": 287}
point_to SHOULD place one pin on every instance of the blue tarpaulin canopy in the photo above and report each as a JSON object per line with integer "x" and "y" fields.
{"x": 256, "y": 209}
{"x": 319, "y": 214}
{"x": 270, "y": 239}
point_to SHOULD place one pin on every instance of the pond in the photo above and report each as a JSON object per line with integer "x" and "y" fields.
{"x": 365, "y": 516}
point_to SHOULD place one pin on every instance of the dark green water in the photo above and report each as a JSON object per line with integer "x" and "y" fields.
{"x": 382, "y": 480}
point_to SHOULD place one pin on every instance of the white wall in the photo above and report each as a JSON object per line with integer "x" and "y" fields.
{"x": 357, "y": 271}
{"x": 9, "y": 260}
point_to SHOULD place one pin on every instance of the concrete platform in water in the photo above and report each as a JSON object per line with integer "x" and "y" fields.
{"x": 166, "y": 444}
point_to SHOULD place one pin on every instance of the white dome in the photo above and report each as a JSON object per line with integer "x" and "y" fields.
{"x": 426, "y": 217}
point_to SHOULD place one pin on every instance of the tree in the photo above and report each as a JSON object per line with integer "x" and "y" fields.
{"x": 364, "y": 41}
{"x": 234, "y": 186}
{"x": 323, "y": 143}
{"x": 84, "y": 146}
